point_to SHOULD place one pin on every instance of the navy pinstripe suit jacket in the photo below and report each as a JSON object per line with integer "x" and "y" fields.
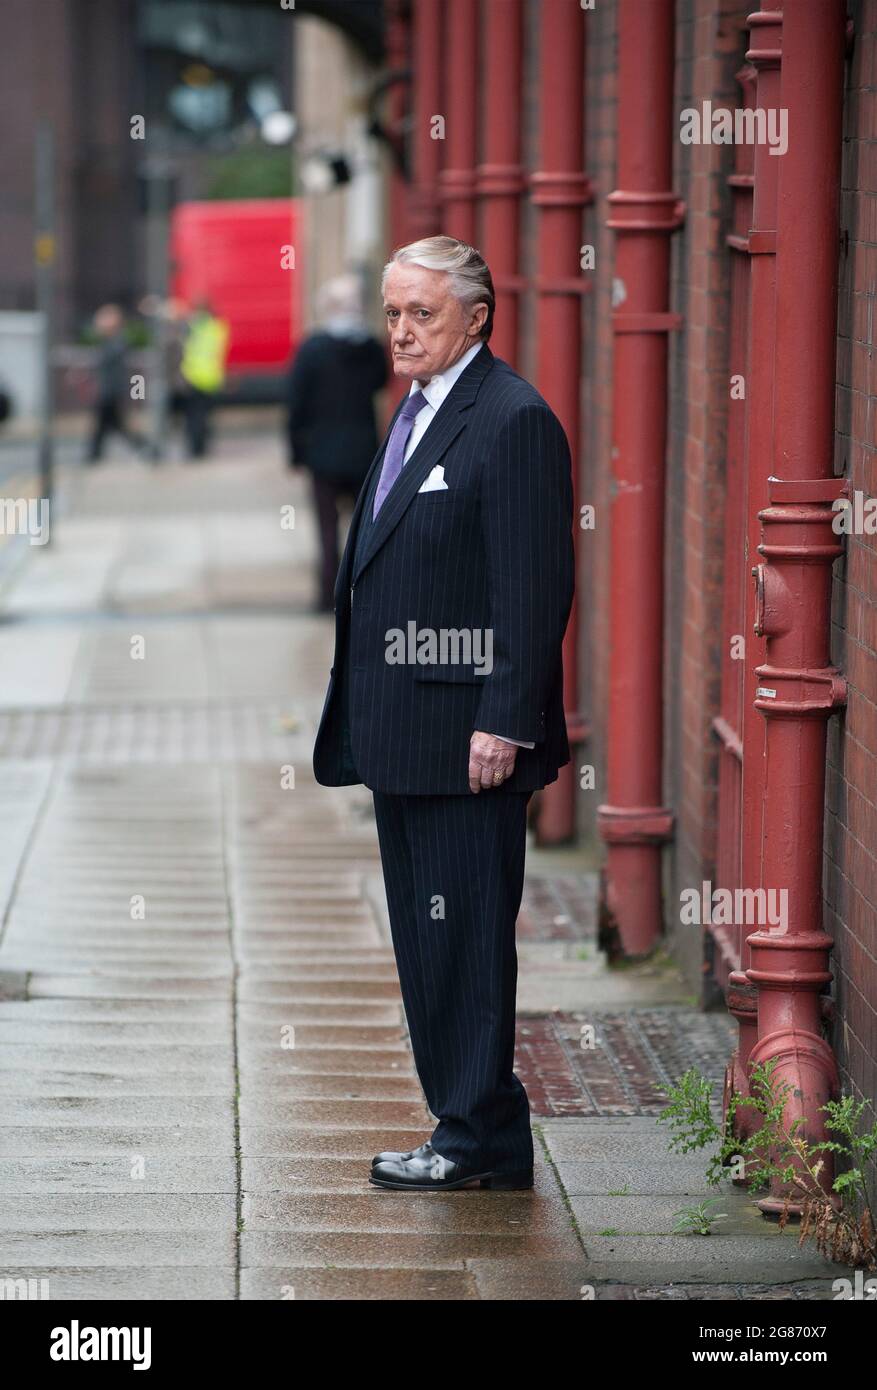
{"x": 494, "y": 550}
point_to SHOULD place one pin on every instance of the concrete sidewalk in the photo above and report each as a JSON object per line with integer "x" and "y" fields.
{"x": 202, "y": 1042}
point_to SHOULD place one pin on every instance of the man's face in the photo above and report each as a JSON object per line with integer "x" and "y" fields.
{"x": 428, "y": 326}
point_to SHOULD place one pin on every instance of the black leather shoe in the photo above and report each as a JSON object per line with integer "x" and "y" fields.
{"x": 393, "y": 1156}
{"x": 430, "y": 1172}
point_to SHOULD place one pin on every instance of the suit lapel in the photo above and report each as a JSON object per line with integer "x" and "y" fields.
{"x": 364, "y": 493}
{"x": 443, "y": 430}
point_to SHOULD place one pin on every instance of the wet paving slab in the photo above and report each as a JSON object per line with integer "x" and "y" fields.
{"x": 359, "y": 1284}
{"x": 102, "y": 1282}
{"x": 164, "y": 1173}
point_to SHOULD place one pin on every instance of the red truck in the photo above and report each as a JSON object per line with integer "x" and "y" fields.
{"x": 241, "y": 256}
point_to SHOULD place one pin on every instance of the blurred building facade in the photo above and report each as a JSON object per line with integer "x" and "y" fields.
{"x": 193, "y": 74}
{"x": 73, "y": 66}
{"x": 345, "y": 223}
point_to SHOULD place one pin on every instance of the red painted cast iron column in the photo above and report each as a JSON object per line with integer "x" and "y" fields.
{"x": 400, "y": 194}
{"x": 797, "y": 687}
{"x": 728, "y": 723}
{"x": 500, "y": 178}
{"x": 457, "y": 180}
{"x": 634, "y": 822}
{"x": 765, "y": 54}
{"x": 560, "y": 190}
{"x": 398, "y": 60}
{"x": 427, "y": 100}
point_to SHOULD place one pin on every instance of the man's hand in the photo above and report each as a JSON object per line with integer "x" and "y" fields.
{"x": 491, "y": 761}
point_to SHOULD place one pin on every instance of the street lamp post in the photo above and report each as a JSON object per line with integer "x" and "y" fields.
{"x": 156, "y": 171}
{"x": 44, "y": 257}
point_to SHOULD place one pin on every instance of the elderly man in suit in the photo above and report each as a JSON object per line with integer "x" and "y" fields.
{"x": 446, "y": 695}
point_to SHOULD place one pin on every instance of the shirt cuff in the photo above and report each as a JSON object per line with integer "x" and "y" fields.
{"x": 518, "y": 742}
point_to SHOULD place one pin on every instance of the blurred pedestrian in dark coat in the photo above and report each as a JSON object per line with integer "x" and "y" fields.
{"x": 113, "y": 382}
{"x": 331, "y": 419}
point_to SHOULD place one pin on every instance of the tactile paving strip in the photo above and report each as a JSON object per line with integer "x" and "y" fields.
{"x": 194, "y": 731}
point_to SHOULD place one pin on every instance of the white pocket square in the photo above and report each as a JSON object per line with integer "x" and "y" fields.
{"x": 435, "y": 482}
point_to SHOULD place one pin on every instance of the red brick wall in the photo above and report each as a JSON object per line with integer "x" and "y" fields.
{"x": 710, "y": 47}
{"x": 711, "y": 42}
{"x": 851, "y": 800}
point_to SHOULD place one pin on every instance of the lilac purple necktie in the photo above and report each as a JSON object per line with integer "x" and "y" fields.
{"x": 395, "y": 452}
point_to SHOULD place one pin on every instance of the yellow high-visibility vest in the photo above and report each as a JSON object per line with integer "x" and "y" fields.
{"x": 204, "y": 352}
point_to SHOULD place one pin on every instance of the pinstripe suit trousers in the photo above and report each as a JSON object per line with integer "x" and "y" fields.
{"x": 454, "y": 873}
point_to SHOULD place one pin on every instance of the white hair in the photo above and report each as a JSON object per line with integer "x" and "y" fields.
{"x": 471, "y": 280}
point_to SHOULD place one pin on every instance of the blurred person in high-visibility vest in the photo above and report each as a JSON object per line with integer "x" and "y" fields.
{"x": 202, "y": 368}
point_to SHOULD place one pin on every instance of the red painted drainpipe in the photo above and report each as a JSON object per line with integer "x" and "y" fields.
{"x": 400, "y": 199}
{"x": 634, "y": 822}
{"x": 457, "y": 179}
{"x": 500, "y": 178}
{"x": 797, "y": 687}
{"x": 727, "y": 725}
{"x": 560, "y": 190}
{"x": 398, "y": 59}
{"x": 765, "y": 55}
{"x": 428, "y": 103}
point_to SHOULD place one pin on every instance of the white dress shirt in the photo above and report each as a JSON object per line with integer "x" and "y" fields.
{"x": 435, "y": 391}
